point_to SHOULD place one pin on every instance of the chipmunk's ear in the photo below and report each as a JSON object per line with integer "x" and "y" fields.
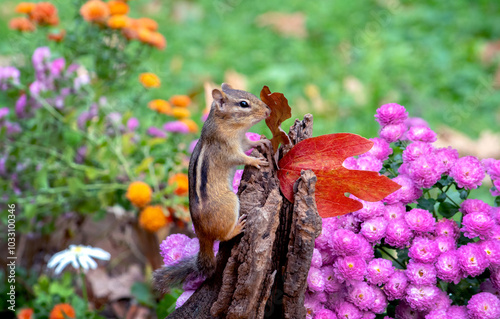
{"x": 219, "y": 97}
{"x": 226, "y": 87}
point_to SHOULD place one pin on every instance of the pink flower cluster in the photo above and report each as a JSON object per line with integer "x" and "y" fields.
{"x": 492, "y": 167}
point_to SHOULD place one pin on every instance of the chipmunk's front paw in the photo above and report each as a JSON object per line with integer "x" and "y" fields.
{"x": 258, "y": 162}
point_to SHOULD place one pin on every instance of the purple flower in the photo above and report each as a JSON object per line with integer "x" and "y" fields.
{"x": 132, "y": 124}
{"x": 395, "y": 211}
{"x": 237, "y": 180}
{"x": 312, "y": 305}
{"x": 379, "y": 270}
{"x": 393, "y": 132}
{"x": 191, "y": 248}
{"x": 420, "y": 220}
{"x": 495, "y": 190}
{"x": 348, "y": 310}
{"x": 315, "y": 280}
{"x": 252, "y": 137}
{"x": 420, "y": 274}
{"x": 40, "y": 56}
{"x": 487, "y": 286}
{"x": 408, "y": 193}
{"x": 349, "y": 268}
{"x": 344, "y": 242}
{"x": 366, "y": 250}
{"x": 176, "y": 127}
{"x": 448, "y": 268}
{"x": 350, "y": 163}
{"x": 369, "y": 315}
{"x": 8, "y": 75}
{"x": 12, "y": 128}
{"x": 472, "y": 259}
{"x": 445, "y": 243}
{"x": 491, "y": 249}
{"x": 404, "y": 311}
{"x": 380, "y": 302}
{"x": 171, "y": 249}
{"x": 447, "y": 227}
{"x": 391, "y": 114}
{"x": 421, "y": 297}
{"x": 82, "y": 79}
{"x": 416, "y": 121}
{"x": 369, "y": 210}
{"x": 415, "y": 150}
{"x": 468, "y": 172}
{"x": 492, "y": 167}
{"x": 348, "y": 222}
{"x": 4, "y": 111}
{"x": 447, "y": 156}
{"x": 396, "y": 285}
{"x": 457, "y": 312}
{"x": 369, "y": 163}
{"x": 437, "y": 314}
{"x": 183, "y": 298}
{"x": 495, "y": 277}
{"x": 474, "y": 205}
{"x": 424, "y": 250}
{"x": 156, "y": 132}
{"x": 193, "y": 282}
{"x": 426, "y": 170}
{"x": 442, "y": 301}
{"x": 57, "y": 66}
{"x": 316, "y": 260}
{"x": 331, "y": 282}
{"x": 325, "y": 314}
{"x": 36, "y": 87}
{"x": 80, "y": 155}
{"x": 374, "y": 229}
{"x": 380, "y": 149}
{"x": 484, "y": 305}
{"x": 361, "y": 295}
{"x": 398, "y": 234}
{"x": 477, "y": 224}
{"x": 329, "y": 225}
{"x": 422, "y": 134}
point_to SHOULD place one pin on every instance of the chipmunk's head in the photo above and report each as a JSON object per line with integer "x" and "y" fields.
{"x": 237, "y": 107}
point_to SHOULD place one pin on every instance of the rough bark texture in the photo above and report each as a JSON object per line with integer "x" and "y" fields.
{"x": 262, "y": 273}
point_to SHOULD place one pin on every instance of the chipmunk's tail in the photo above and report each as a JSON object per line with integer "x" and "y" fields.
{"x": 202, "y": 264}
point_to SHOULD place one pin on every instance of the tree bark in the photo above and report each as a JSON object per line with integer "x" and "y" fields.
{"x": 263, "y": 272}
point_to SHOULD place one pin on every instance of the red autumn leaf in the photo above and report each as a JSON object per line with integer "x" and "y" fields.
{"x": 325, "y": 155}
{"x": 280, "y": 111}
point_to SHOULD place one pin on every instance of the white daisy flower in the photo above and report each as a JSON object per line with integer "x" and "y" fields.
{"x": 78, "y": 256}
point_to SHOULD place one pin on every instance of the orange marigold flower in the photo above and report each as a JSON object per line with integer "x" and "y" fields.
{"x": 45, "y": 13}
{"x": 118, "y": 22}
{"x": 152, "y": 218}
{"x": 25, "y": 313}
{"x": 160, "y": 106}
{"x": 147, "y": 23}
{"x": 117, "y": 7}
{"x": 180, "y": 100}
{"x": 57, "y": 36}
{"x": 139, "y": 193}
{"x": 94, "y": 10}
{"x": 193, "y": 127}
{"x": 158, "y": 41}
{"x": 149, "y": 80}
{"x": 21, "y": 24}
{"x": 180, "y": 113}
{"x": 181, "y": 182}
{"x": 62, "y": 311}
{"x": 25, "y": 7}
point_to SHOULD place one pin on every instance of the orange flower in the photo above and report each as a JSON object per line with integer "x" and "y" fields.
{"x": 147, "y": 23}
{"x": 180, "y": 100}
{"x": 160, "y": 106}
{"x": 180, "y": 113}
{"x": 193, "y": 127}
{"x": 25, "y": 7}
{"x": 25, "y": 313}
{"x": 149, "y": 80}
{"x": 45, "y": 13}
{"x": 94, "y": 10}
{"x": 158, "y": 41}
{"x": 117, "y": 7}
{"x": 21, "y": 24}
{"x": 57, "y": 36}
{"x": 118, "y": 22}
{"x": 139, "y": 193}
{"x": 62, "y": 311}
{"x": 152, "y": 218}
{"x": 181, "y": 182}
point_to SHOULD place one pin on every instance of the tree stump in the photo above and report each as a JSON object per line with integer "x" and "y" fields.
{"x": 263, "y": 272}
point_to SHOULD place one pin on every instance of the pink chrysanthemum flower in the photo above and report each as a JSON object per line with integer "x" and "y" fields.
{"x": 421, "y": 274}
{"x": 404, "y": 311}
{"x": 369, "y": 210}
{"x": 315, "y": 280}
{"x": 420, "y": 220}
{"x": 426, "y": 170}
{"x": 349, "y": 268}
{"x": 491, "y": 249}
{"x": 447, "y": 227}
{"x": 331, "y": 282}
{"x": 492, "y": 167}
{"x": 395, "y": 211}
{"x": 424, "y": 250}
{"x": 396, "y": 285}
{"x": 447, "y": 156}
{"x": 348, "y": 310}
{"x": 448, "y": 267}
{"x": 472, "y": 259}
{"x": 408, "y": 193}
{"x": 380, "y": 303}
{"x": 421, "y": 297}
{"x": 344, "y": 242}
{"x": 474, "y": 205}
{"x": 468, "y": 172}
{"x": 477, "y": 224}
{"x": 380, "y": 150}
{"x": 457, "y": 312}
{"x": 398, "y": 234}
{"x": 369, "y": 163}
{"x": 392, "y": 132}
{"x": 379, "y": 270}
{"x": 361, "y": 295}
{"x": 391, "y": 113}
{"x": 445, "y": 243}
{"x": 484, "y": 305}
{"x": 422, "y": 134}
{"x": 415, "y": 150}
{"x": 374, "y": 229}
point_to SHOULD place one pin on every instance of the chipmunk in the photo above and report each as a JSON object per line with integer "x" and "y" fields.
{"x": 214, "y": 207}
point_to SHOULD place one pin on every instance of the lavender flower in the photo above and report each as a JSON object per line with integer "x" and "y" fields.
{"x": 132, "y": 124}
{"x": 420, "y": 220}
{"x": 176, "y": 127}
{"x": 472, "y": 259}
{"x": 468, "y": 172}
{"x": 39, "y": 58}
{"x": 8, "y": 75}
{"x": 156, "y": 132}
{"x": 484, "y": 305}
{"x": 171, "y": 249}
{"x": 395, "y": 286}
{"x": 183, "y": 298}
{"x": 57, "y": 66}
{"x": 477, "y": 224}
{"x": 379, "y": 270}
{"x": 420, "y": 274}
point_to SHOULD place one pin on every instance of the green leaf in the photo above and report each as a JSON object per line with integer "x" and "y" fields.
{"x": 167, "y": 305}
{"x": 143, "y": 294}
{"x": 497, "y": 201}
{"x": 72, "y": 138}
{"x": 30, "y": 211}
{"x": 144, "y": 165}
{"x": 447, "y": 209}
{"x": 442, "y": 197}
{"x": 75, "y": 185}
{"x": 41, "y": 179}
{"x": 463, "y": 194}
{"x": 426, "y": 203}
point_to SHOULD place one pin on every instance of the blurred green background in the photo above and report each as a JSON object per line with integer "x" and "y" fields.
{"x": 347, "y": 59}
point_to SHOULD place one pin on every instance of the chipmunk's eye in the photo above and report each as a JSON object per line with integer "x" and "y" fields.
{"x": 244, "y": 104}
